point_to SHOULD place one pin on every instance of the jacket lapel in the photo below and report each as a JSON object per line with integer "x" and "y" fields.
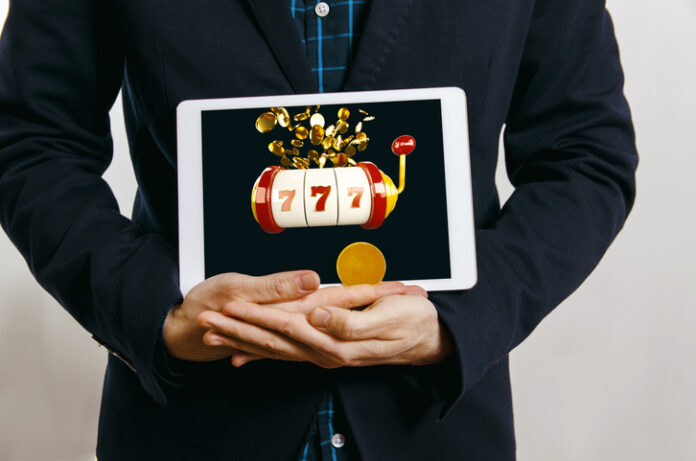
{"x": 279, "y": 29}
{"x": 385, "y": 22}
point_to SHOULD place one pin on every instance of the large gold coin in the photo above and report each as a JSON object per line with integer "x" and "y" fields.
{"x": 361, "y": 262}
{"x": 266, "y": 122}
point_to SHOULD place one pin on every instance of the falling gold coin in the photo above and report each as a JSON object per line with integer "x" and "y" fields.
{"x": 358, "y": 127}
{"x": 300, "y": 163}
{"x": 361, "y": 262}
{"x": 303, "y": 115}
{"x": 316, "y": 135}
{"x": 360, "y": 141}
{"x": 266, "y": 122}
{"x": 343, "y": 113}
{"x": 327, "y": 143}
{"x": 301, "y": 132}
{"x": 339, "y": 160}
{"x": 283, "y": 116}
{"x": 276, "y": 147}
{"x": 350, "y": 151}
{"x": 297, "y": 143}
{"x": 342, "y": 126}
{"x": 317, "y": 119}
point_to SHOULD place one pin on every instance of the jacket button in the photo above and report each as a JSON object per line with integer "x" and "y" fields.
{"x": 338, "y": 440}
{"x": 322, "y": 9}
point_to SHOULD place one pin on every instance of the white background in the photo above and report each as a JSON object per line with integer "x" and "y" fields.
{"x": 609, "y": 375}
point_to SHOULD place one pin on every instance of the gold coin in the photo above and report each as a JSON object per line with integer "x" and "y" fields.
{"x": 297, "y": 143}
{"x": 346, "y": 142}
{"x": 283, "y": 116}
{"x": 360, "y": 141}
{"x": 316, "y": 135}
{"x": 343, "y": 113}
{"x": 330, "y": 130}
{"x": 350, "y": 151}
{"x": 369, "y": 118}
{"x": 358, "y": 127}
{"x": 276, "y": 148}
{"x": 339, "y": 160}
{"x": 301, "y": 132}
{"x": 317, "y": 119}
{"x": 327, "y": 143}
{"x": 303, "y": 115}
{"x": 300, "y": 163}
{"x": 266, "y": 122}
{"x": 322, "y": 161}
{"x": 361, "y": 262}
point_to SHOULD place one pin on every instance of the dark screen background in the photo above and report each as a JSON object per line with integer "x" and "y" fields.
{"x": 414, "y": 237}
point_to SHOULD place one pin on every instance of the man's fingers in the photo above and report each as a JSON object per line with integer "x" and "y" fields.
{"x": 245, "y": 351}
{"x": 293, "y": 325}
{"x": 325, "y": 348}
{"x": 240, "y": 358}
{"x": 347, "y": 297}
{"x": 416, "y": 290}
{"x": 274, "y": 288}
{"x": 353, "y": 325}
{"x": 250, "y": 338}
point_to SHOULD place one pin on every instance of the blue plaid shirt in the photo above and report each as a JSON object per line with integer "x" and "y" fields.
{"x": 330, "y": 42}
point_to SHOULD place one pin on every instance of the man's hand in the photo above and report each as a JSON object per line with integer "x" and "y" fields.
{"x": 397, "y": 329}
{"x": 294, "y": 291}
{"x": 183, "y": 336}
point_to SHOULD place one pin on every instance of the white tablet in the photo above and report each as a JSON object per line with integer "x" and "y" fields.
{"x": 276, "y": 183}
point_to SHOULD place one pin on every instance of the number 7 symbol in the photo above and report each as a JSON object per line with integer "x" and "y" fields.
{"x": 288, "y": 195}
{"x": 324, "y": 191}
{"x": 358, "y": 192}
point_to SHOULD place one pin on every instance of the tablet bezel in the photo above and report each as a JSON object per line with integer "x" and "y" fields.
{"x": 457, "y": 175}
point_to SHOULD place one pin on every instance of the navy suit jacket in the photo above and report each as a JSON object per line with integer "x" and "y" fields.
{"x": 547, "y": 70}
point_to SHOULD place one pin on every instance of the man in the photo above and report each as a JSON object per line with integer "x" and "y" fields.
{"x": 548, "y": 70}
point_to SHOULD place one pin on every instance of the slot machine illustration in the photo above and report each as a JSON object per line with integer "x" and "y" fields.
{"x": 349, "y": 193}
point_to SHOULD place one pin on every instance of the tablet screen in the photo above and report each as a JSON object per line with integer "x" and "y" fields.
{"x": 413, "y": 237}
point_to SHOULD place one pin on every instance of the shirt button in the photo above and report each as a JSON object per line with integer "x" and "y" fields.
{"x": 321, "y": 9}
{"x": 338, "y": 440}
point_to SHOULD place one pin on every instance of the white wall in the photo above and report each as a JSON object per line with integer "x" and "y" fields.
{"x": 608, "y": 376}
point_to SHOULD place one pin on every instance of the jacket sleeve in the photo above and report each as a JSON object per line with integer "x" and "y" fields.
{"x": 570, "y": 153}
{"x": 61, "y": 66}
